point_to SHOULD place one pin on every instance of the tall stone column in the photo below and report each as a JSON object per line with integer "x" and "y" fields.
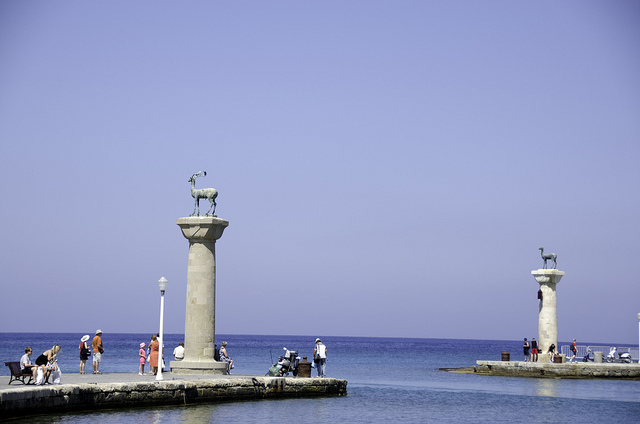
{"x": 547, "y": 310}
{"x": 199, "y": 325}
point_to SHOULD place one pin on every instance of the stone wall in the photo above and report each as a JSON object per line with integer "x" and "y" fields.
{"x": 565, "y": 370}
{"x": 29, "y": 400}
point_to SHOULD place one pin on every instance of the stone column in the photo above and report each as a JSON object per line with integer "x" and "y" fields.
{"x": 547, "y": 312}
{"x": 199, "y": 325}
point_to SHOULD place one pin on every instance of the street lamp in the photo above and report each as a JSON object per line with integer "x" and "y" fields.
{"x": 162, "y": 283}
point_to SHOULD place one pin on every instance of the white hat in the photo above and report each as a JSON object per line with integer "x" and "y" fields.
{"x": 318, "y": 340}
{"x": 98, "y": 331}
{"x": 84, "y": 338}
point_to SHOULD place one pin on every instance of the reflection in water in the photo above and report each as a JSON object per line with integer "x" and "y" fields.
{"x": 546, "y": 387}
{"x": 155, "y": 416}
{"x": 195, "y": 414}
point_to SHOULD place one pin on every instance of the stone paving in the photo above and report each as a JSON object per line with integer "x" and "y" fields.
{"x": 118, "y": 378}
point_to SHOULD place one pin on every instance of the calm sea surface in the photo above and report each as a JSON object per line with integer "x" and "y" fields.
{"x": 391, "y": 380}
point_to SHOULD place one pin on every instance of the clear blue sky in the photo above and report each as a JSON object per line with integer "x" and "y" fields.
{"x": 388, "y": 168}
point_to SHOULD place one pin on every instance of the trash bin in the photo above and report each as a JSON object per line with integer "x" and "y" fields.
{"x": 304, "y": 368}
{"x": 505, "y": 356}
{"x": 597, "y": 357}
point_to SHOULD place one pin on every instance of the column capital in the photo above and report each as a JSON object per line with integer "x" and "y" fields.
{"x": 202, "y": 228}
{"x": 547, "y": 276}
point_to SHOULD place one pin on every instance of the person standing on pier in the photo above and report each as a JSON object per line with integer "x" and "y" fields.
{"x": 154, "y": 348}
{"x": 525, "y": 347}
{"x": 534, "y": 350}
{"x": 96, "y": 346}
{"x": 574, "y": 351}
{"x": 143, "y": 359}
{"x": 320, "y": 353}
{"x": 84, "y": 352}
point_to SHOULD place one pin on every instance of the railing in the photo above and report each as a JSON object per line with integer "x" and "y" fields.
{"x": 582, "y": 351}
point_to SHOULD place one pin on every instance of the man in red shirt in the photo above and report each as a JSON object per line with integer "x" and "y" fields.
{"x": 574, "y": 350}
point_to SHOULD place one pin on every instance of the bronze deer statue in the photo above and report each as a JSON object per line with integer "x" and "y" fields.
{"x": 548, "y": 256}
{"x": 202, "y": 193}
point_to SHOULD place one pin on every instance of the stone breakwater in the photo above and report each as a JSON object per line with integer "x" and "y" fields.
{"x": 553, "y": 370}
{"x": 30, "y": 400}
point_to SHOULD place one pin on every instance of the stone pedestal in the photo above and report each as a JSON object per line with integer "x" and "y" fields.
{"x": 547, "y": 311}
{"x": 199, "y": 326}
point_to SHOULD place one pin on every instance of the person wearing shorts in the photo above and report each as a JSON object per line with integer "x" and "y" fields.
{"x": 534, "y": 350}
{"x": 97, "y": 351}
{"x": 525, "y": 347}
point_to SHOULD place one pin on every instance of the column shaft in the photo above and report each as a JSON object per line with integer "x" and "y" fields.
{"x": 200, "y": 318}
{"x": 548, "y": 317}
{"x": 547, "y": 308}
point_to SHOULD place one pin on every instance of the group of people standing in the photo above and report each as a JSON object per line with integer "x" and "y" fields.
{"x": 96, "y": 349}
{"x": 533, "y": 357}
{"x": 551, "y": 352}
{"x": 151, "y": 355}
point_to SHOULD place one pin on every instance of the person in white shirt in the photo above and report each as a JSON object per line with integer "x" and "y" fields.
{"x": 320, "y": 357}
{"x": 178, "y": 352}
{"x": 25, "y": 363}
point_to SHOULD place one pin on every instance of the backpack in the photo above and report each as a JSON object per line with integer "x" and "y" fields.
{"x": 216, "y": 354}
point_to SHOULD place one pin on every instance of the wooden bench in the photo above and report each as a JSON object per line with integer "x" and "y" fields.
{"x": 17, "y": 374}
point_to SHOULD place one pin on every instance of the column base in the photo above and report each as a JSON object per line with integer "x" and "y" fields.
{"x": 198, "y": 367}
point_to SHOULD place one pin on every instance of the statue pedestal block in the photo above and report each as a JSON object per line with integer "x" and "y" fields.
{"x": 199, "y": 326}
{"x": 203, "y": 367}
{"x": 547, "y": 310}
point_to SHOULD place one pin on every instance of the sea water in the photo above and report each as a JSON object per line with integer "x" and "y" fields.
{"x": 389, "y": 380}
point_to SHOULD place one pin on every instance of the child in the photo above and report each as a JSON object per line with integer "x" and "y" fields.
{"x": 143, "y": 359}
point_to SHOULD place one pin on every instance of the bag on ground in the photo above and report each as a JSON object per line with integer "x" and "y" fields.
{"x": 39, "y": 376}
{"x": 57, "y": 376}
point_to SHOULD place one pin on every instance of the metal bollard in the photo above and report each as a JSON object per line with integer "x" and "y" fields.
{"x": 304, "y": 368}
{"x": 597, "y": 357}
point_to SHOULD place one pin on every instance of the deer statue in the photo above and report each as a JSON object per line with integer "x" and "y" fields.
{"x": 208, "y": 193}
{"x": 548, "y": 256}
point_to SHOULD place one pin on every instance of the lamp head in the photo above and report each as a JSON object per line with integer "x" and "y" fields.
{"x": 162, "y": 283}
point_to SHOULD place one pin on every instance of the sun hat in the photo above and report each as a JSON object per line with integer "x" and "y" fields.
{"x": 318, "y": 340}
{"x": 98, "y": 331}
{"x": 84, "y": 338}
{"x": 142, "y": 345}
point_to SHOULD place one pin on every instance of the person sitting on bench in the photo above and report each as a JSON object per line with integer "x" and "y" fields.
{"x": 25, "y": 363}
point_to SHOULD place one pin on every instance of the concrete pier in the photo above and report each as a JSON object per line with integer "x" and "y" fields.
{"x": 123, "y": 390}
{"x": 583, "y": 370}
